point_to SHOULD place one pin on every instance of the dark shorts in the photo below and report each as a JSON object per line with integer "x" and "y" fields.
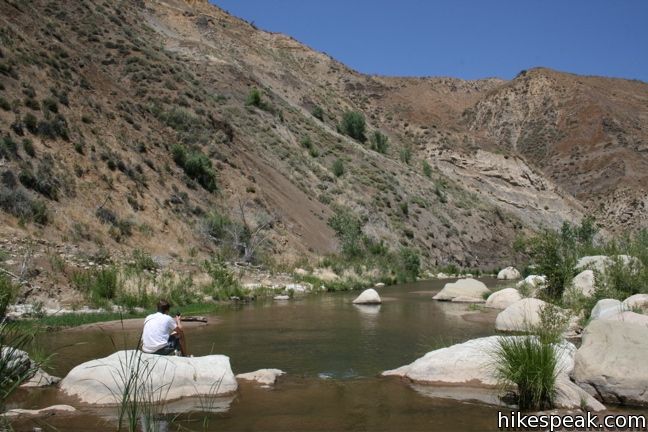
{"x": 171, "y": 347}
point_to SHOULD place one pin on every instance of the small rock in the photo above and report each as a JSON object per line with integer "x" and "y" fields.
{"x": 281, "y": 297}
{"x": 52, "y": 410}
{"x": 380, "y": 285}
{"x": 462, "y": 288}
{"x": 266, "y": 377}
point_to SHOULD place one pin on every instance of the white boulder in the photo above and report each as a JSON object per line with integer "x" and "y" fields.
{"x": 380, "y": 285}
{"x": 509, "y": 273}
{"x": 18, "y": 364}
{"x": 637, "y": 301}
{"x": 51, "y": 410}
{"x": 470, "y": 364}
{"x": 503, "y": 298}
{"x": 520, "y": 316}
{"x": 583, "y": 283}
{"x": 163, "y": 378}
{"x": 462, "y": 288}
{"x": 265, "y": 377}
{"x": 611, "y": 362}
{"x": 281, "y": 297}
{"x": 629, "y": 317}
{"x": 601, "y": 262}
{"x": 606, "y": 308}
{"x": 368, "y": 296}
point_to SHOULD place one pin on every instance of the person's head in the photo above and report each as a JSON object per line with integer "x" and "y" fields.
{"x": 163, "y": 306}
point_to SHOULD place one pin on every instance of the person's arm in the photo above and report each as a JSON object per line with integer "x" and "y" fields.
{"x": 178, "y": 326}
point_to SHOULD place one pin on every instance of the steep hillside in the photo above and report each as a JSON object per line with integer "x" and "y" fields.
{"x": 137, "y": 124}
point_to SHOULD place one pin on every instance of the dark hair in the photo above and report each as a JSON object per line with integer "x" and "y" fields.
{"x": 163, "y": 306}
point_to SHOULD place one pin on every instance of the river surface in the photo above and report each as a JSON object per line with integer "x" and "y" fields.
{"x": 333, "y": 352}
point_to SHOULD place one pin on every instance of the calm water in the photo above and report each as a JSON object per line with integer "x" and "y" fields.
{"x": 333, "y": 352}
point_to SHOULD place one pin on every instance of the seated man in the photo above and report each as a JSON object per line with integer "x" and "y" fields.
{"x": 162, "y": 334}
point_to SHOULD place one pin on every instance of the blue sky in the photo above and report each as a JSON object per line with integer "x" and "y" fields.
{"x": 465, "y": 39}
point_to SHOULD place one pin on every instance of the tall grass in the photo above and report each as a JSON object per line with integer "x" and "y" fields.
{"x": 8, "y": 292}
{"x": 528, "y": 367}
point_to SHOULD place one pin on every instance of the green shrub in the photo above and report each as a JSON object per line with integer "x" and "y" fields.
{"x": 405, "y": 155}
{"x": 353, "y": 125}
{"x": 427, "y": 169}
{"x": 50, "y": 104}
{"x": 196, "y": 165}
{"x": 529, "y": 368}
{"x": 28, "y": 147}
{"x": 379, "y": 142}
{"x": 100, "y": 286}
{"x": 318, "y": 112}
{"x": 348, "y": 229}
{"x": 224, "y": 283}
{"x": 338, "y": 167}
{"x": 31, "y": 123}
{"x": 8, "y": 292}
{"x": 21, "y": 205}
{"x": 216, "y": 225}
{"x": 409, "y": 265}
{"x": 254, "y": 98}
{"x": 142, "y": 260}
{"x": 8, "y": 147}
{"x": 306, "y": 142}
{"x": 4, "y": 104}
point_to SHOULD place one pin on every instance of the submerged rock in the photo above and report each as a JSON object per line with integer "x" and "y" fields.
{"x": 462, "y": 288}
{"x": 503, "y": 298}
{"x": 471, "y": 364}
{"x": 467, "y": 299}
{"x": 368, "y": 296}
{"x": 163, "y": 378}
{"x": 266, "y": 377}
{"x": 49, "y": 411}
{"x": 509, "y": 273}
{"x": 520, "y": 316}
{"x": 611, "y": 362}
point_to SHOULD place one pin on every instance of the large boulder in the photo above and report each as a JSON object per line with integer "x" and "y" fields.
{"x": 368, "y": 296}
{"x": 601, "y": 262}
{"x": 470, "y": 364}
{"x": 162, "y": 378}
{"x": 606, "y": 308}
{"x": 629, "y": 317}
{"x": 532, "y": 281}
{"x": 583, "y": 284}
{"x": 611, "y": 362}
{"x": 637, "y": 301}
{"x": 509, "y": 273}
{"x": 462, "y": 288}
{"x": 503, "y": 298}
{"x": 520, "y": 316}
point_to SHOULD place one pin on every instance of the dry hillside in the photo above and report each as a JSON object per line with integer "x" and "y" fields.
{"x": 127, "y": 124}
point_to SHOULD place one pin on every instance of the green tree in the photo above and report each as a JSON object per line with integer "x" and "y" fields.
{"x": 353, "y": 125}
{"x": 348, "y": 229}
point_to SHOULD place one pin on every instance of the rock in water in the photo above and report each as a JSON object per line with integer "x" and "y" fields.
{"x": 368, "y": 296}
{"x": 462, "y": 288}
{"x": 266, "y": 377}
{"x": 19, "y": 364}
{"x": 611, "y": 362}
{"x": 470, "y": 364}
{"x": 503, "y": 298}
{"x": 520, "y": 315}
{"x": 509, "y": 273}
{"x": 162, "y": 378}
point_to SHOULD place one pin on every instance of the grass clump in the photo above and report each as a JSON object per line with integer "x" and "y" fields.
{"x": 529, "y": 367}
{"x": 224, "y": 284}
{"x": 318, "y": 112}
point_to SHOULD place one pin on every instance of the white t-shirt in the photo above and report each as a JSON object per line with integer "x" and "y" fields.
{"x": 157, "y": 328}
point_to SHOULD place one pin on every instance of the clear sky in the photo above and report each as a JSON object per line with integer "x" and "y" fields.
{"x": 464, "y": 39}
